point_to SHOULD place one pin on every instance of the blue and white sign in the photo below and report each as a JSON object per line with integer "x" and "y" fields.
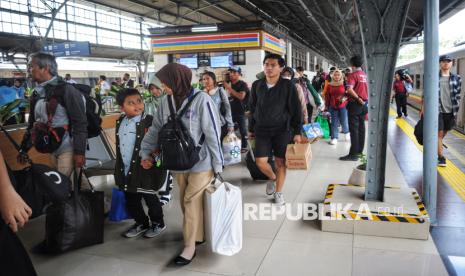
{"x": 66, "y": 49}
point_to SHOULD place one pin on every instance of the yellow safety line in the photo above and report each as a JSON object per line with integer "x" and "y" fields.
{"x": 455, "y": 153}
{"x": 458, "y": 134}
{"x": 454, "y": 177}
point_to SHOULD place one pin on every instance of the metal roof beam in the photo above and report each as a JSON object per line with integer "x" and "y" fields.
{"x": 322, "y": 31}
{"x": 225, "y": 10}
{"x": 146, "y": 5}
{"x": 134, "y": 13}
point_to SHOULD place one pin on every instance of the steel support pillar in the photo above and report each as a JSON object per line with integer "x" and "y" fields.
{"x": 381, "y": 24}
{"x": 431, "y": 101}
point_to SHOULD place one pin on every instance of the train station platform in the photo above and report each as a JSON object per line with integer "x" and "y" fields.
{"x": 290, "y": 247}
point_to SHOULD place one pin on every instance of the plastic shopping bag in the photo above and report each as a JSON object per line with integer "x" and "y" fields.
{"x": 324, "y": 124}
{"x": 313, "y": 132}
{"x": 223, "y": 217}
{"x": 118, "y": 211}
{"x": 231, "y": 149}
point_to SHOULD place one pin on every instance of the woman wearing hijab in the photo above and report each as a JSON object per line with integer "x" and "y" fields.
{"x": 288, "y": 73}
{"x": 220, "y": 98}
{"x": 336, "y": 101}
{"x": 201, "y": 119}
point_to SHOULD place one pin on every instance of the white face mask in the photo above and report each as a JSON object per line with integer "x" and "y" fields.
{"x": 287, "y": 78}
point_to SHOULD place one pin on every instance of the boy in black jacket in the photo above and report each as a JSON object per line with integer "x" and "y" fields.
{"x": 136, "y": 182}
{"x": 275, "y": 115}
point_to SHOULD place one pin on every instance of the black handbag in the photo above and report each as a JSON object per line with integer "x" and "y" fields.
{"x": 418, "y": 132}
{"x": 76, "y": 222}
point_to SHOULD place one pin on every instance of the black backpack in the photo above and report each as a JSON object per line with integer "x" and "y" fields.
{"x": 93, "y": 110}
{"x": 178, "y": 150}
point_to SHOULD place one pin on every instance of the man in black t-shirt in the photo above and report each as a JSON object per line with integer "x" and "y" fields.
{"x": 238, "y": 94}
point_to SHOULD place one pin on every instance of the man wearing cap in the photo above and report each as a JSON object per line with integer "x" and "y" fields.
{"x": 238, "y": 92}
{"x": 450, "y": 86}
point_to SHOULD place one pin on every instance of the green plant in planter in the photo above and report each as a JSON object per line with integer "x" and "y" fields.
{"x": 10, "y": 110}
{"x": 364, "y": 161}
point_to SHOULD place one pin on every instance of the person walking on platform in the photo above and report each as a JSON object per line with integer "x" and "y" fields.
{"x": 357, "y": 89}
{"x": 401, "y": 93}
{"x": 202, "y": 123}
{"x": 275, "y": 115}
{"x": 238, "y": 95}
{"x": 59, "y": 104}
{"x": 312, "y": 99}
{"x": 336, "y": 102}
{"x": 137, "y": 183}
{"x": 154, "y": 101}
{"x": 220, "y": 97}
{"x": 450, "y": 87}
{"x": 127, "y": 81}
{"x": 288, "y": 73}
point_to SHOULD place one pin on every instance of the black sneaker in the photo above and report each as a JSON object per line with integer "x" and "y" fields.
{"x": 441, "y": 161}
{"x": 349, "y": 157}
{"x": 399, "y": 116}
{"x": 136, "y": 230}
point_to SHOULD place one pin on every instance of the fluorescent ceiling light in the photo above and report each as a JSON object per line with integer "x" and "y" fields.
{"x": 204, "y": 29}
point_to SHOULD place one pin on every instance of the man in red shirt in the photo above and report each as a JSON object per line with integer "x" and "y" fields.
{"x": 357, "y": 89}
{"x": 400, "y": 92}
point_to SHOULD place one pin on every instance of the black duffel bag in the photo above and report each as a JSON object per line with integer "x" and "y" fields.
{"x": 76, "y": 222}
{"x": 39, "y": 185}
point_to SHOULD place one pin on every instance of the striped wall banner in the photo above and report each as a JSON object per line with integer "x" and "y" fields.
{"x": 206, "y": 41}
{"x": 274, "y": 43}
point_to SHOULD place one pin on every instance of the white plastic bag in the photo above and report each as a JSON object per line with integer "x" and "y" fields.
{"x": 223, "y": 218}
{"x": 231, "y": 149}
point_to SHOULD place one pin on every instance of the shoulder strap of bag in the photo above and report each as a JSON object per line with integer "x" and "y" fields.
{"x": 183, "y": 111}
{"x": 10, "y": 138}
{"x": 186, "y": 107}
{"x": 170, "y": 104}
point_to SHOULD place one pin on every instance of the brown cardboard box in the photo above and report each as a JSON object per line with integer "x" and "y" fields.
{"x": 298, "y": 156}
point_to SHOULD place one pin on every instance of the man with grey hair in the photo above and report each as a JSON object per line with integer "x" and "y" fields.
{"x": 57, "y": 119}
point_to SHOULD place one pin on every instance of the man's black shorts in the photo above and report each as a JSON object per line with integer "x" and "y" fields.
{"x": 446, "y": 121}
{"x": 276, "y": 142}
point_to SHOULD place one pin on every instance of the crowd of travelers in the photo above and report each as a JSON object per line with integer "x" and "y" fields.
{"x": 271, "y": 111}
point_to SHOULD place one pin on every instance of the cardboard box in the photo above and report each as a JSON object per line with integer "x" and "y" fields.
{"x": 298, "y": 156}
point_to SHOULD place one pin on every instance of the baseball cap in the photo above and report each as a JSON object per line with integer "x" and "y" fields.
{"x": 445, "y": 57}
{"x": 236, "y": 69}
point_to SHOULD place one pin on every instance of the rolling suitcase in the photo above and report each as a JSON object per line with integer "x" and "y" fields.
{"x": 255, "y": 173}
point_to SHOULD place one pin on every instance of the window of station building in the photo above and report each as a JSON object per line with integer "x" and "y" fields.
{"x": 108, "y": 37}
{"x": 239, "y": 57}
{"x": 299, "y": 58}
{"x": 108, "y": 21}
{"x": 17, "y": 23}
{"x": 130, "y": 41}
{"x": 203, "y": 59}
{"x": 417, "y": 81}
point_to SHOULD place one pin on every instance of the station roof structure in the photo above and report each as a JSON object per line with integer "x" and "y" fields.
{"x": 330, "y": 28}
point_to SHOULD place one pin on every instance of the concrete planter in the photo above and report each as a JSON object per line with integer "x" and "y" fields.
{"x": 357, "y": 177}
